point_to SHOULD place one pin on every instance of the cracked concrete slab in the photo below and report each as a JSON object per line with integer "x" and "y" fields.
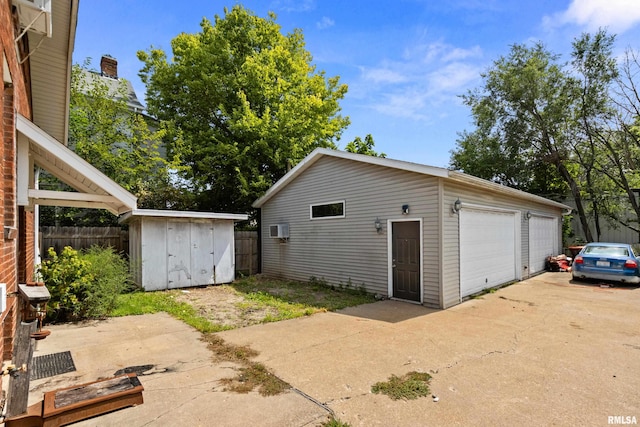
{"x": 545, "y": 351}
{"x": 181, "y": 382}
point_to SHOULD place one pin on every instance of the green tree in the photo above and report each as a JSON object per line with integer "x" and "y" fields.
{"x": 363, "y": 147}
{"x": 580, "y": 118}
{"x": 247, "y": 103}
{"x": 525, "y": 114}
{"x": 123, "y": 144}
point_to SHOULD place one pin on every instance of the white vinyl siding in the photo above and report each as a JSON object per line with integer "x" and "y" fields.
{"x": 350, "y": 250}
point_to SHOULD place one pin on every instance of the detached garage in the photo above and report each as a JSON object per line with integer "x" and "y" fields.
{"x": 403, "y": 230}
{"x": 176, "y": 249}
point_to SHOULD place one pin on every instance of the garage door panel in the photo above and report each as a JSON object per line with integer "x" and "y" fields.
{"x": 487, "y": 249}
{"x": 543, "y": 241}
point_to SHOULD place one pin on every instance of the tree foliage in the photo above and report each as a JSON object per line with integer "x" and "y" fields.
{"x": 560, "y": 130}
{"x": 244, "y": 103}
{"x": 359, "y": 146}
{"x": 123, "y": 144}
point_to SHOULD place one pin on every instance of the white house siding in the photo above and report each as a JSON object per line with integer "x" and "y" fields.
{"x": 349, "y": 250}
{"x": 482, "y": 197}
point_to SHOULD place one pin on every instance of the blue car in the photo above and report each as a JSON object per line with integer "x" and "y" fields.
{"x": 611, "y": 262}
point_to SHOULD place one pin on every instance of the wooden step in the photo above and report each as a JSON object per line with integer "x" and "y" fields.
{"x": 80, "y": 402}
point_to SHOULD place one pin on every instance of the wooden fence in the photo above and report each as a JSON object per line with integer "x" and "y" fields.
{"x": 246, "y": 243}
{"x": 246, "y": 252}
{"x": 83, "y": 238}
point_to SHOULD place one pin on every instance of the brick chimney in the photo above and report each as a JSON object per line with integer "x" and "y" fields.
{"x": 109, "y": 66}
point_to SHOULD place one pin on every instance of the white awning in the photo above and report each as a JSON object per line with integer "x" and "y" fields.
{"x": 94, "y": 189}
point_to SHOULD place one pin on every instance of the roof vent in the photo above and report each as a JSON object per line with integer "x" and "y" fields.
{"x": 34, "y": 15}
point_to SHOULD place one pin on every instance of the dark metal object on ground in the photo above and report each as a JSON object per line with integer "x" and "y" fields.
{"x": 49, "y": 365}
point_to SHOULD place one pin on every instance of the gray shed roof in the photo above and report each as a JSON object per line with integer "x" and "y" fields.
{"x": 447, "y": 174}
{"x": 158, "y": 213}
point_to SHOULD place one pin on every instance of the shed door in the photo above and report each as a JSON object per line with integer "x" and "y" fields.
{"x": 202, "y": 265}
{"x": 223, "y": 252}
{"x": 488, "y": 250}
{"x": 543, "y": 241}
{"x": 178, "y": 254}
{"x": 406, "y": 260}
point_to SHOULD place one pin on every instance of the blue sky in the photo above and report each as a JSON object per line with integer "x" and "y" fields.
{"x": 405, "y": 61}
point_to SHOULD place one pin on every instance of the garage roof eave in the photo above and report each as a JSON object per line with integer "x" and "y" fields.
{"x": 466, "y": 179}
{"x": 402, "y": 165}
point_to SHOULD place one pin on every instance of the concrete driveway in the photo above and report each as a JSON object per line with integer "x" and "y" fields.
{"x": 541, "y": 352}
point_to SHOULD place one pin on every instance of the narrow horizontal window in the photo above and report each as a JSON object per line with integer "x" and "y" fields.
{"x": 328, "y": 210}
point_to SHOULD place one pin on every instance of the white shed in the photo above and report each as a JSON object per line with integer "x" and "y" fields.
{"x": 177, "y": 249}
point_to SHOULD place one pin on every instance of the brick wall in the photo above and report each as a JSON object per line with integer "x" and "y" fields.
{"x": 16, "y": 252}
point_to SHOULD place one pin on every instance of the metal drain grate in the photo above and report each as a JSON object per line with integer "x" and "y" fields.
{"x": 49, "y": 365}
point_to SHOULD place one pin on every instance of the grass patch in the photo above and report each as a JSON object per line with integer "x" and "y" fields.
{"x": 296, "y": 299}
{"x": 138, "y": 303}
{"x": 251, "y": 374}
{"x": 335, "y": 423}
{"x": 280, "y": 300}
{"x": 255, "y": 375}
{"x": 410, "y": 386}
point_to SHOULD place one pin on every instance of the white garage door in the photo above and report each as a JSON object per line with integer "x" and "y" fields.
{"x": 488, "y": 249}
{"x": 543, "y": 241}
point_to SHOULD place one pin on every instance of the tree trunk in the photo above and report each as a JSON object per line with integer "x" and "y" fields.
{"x": 575, "y": 191}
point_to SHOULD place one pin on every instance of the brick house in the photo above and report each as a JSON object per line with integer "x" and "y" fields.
{"x": 37, "y": 39}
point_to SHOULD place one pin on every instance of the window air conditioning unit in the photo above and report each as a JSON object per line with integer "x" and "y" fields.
{"x": 279, "y": 231}
{"x": 35, "y": 15}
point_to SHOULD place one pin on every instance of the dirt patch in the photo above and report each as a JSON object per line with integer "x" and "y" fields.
{"x": 223, "y": 305}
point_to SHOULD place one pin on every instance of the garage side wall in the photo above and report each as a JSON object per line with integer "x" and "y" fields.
{"x": 349, "y": 250}
{"x": 480, "y": 197}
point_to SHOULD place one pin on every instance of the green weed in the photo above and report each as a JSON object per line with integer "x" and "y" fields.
{"x": 138, "y": 303}
{"x": 410, "y": 386}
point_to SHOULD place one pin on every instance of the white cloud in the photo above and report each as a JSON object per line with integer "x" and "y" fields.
{"x": 617, "y": 15}
{"x": 409, "y": 104}
{"x": 383, "y": 75}
{"x": 294, "y": 5}
{"x": 418, "y": 85}
{"x": 457, "y": 54}
{"x": 325, "y": 22}
{"x": 453, "y": 77}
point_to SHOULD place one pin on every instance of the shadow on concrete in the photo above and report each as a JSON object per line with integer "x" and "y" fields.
{"x": 592, "y": 283}
{"x": 389, "y": 311}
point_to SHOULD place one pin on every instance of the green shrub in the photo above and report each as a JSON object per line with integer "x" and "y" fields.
{"x": 83, "y": 284}
{"x": 110, "y": 277}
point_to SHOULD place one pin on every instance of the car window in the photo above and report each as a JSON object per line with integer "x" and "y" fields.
{"x": 607, "y": 250}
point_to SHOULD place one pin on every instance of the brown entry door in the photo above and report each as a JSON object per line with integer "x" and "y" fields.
{"x": 406, "y": 260}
